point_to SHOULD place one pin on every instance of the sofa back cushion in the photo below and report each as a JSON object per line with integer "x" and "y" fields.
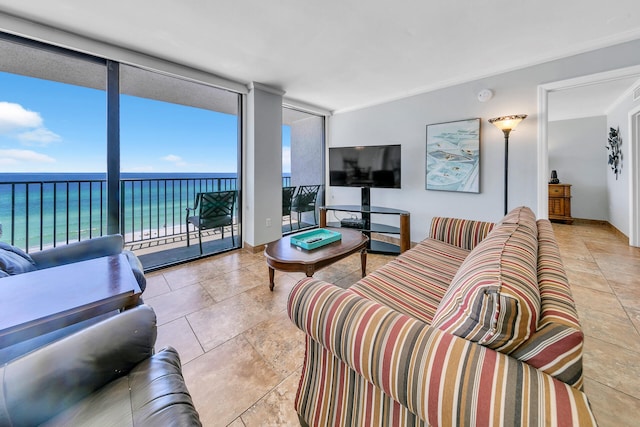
{"x": 463, "y": 233}
{"x": 14, "y": 260}
{"x": 556, "y": 347}
{"x": 494, "y": 299}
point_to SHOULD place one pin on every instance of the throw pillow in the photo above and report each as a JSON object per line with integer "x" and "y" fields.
{"x": 494, "y": 299}
{"x": 14, "y": 260}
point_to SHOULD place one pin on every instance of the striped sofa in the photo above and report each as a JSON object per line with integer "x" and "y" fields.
{"x": 475, "y": 325}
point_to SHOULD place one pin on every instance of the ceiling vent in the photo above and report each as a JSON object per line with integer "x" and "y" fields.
{"x": 636, "y": 93}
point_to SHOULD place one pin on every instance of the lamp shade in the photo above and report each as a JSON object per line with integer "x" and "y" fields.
{"x": 507, "y": 122}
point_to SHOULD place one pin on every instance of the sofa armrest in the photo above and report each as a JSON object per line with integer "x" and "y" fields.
{"x": 79, "y": 251}
{"x": 463, "y": 233}
{"x": 428, "y": 370}
{"x": 62, "y": 373}
{"x": 137, "y": 269}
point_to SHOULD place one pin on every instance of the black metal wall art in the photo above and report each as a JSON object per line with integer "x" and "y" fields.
{"x": 615, "y": 155}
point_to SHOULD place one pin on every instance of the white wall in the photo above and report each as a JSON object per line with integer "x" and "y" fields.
{"x": 403, "y": 122}
{"x": 576, "y": 149}
{"x": 262, "y": 189}
{"x": 618, "y": 189}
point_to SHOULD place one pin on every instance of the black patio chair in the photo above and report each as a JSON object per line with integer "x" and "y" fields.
{"x": 287, "y": 199}
{"x": 214, "y": 210}
{"x": 305, "y": 201}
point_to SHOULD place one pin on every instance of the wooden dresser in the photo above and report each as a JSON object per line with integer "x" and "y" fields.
{"x": 560, "y": 203}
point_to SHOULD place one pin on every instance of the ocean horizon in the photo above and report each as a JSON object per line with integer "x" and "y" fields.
{"x": 93, "y": 176}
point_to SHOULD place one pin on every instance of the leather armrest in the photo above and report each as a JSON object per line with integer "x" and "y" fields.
{"x": 137, "y": 268}
{"x": 79, "y": 251}
{"x": 56, "y": 376}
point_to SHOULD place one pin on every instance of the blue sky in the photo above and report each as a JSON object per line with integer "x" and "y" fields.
{"x": 47, "y": 126}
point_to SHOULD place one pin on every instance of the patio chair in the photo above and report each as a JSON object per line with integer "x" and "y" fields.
{"x": 287, "y": 199}
{"x": 214, "y": 210}
{"x": 305, "y": 201}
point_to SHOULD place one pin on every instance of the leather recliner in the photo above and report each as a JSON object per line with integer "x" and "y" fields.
{"x": 16, "y": 261}
{"x": 96, "y": 247}
{"x": 106, "y": 374}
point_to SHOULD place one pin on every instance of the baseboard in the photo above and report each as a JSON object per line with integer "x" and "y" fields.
{"x": 253, "y": 249}
{"x": 619, "y": 233}
{"x": 602, "y": 223}
{"x": 591, "y": 221}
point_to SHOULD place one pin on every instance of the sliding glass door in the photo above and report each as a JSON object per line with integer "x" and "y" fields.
{"x": 52, "y": 145}
{"x": 90, "y": 146}
{"x": 302, "y": 168}
{"x": 178, "y": 139}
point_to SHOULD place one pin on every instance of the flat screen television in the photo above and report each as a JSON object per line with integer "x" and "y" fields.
{"x": 372, "y": 166}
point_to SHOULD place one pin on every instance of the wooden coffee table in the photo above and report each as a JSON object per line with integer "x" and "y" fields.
{"x": 282, "y": 255}
{"x": 38, "y": 302}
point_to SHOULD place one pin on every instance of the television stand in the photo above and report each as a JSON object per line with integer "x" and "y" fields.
{"x": 368, "y": 227}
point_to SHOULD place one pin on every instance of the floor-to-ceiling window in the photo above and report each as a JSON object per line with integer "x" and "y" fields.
{"x": 52, "y": 145}
{"x": 177, "y": 139}
{"x": 89, "y": 146}
{"x": 303, "y": 167}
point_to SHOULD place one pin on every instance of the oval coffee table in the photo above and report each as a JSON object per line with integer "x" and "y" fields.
{"x": 282, "y": 255}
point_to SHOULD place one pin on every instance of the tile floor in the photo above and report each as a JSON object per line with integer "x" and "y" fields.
{"x": 242, "y": 355}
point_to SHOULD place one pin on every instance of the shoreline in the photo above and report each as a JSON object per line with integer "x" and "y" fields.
{"x": 145, "y": 235}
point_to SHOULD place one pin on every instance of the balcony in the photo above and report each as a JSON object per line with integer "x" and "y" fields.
{"x": 35, "y": 215}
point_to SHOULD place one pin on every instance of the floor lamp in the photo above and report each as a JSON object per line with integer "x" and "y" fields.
{"x": 506, "y": 124}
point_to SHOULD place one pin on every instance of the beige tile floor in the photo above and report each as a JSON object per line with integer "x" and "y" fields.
{"x": 242, "y": 356}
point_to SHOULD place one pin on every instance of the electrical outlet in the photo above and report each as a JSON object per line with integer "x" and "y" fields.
{"x": 268, "y": 222}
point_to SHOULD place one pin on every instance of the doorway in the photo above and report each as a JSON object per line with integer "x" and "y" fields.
{"x": 543, "y": 143}
{"x": 634, "y": 175}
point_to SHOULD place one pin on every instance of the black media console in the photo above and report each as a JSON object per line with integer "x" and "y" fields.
{"x": 367, "y": 226}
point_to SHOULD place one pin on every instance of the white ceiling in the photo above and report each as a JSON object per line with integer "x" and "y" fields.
{"x": 346, "y": 54}
{"x": 590, "y": 100}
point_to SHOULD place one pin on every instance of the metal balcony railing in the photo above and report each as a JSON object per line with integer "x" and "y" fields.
{"x": 153, "y": 208}
{"x": 38, "y": 214}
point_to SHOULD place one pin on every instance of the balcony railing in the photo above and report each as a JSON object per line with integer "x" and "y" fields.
{"x": 40, "y": 214}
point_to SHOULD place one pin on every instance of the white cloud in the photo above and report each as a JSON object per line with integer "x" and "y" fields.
{"x": 175, "y": 159}
{"x": 27, "y": 126}
{"x": 39, "y": 137}
{"x": 172, "y": 158}
{"x": 5, "y": 161}
{"x": 14, "y": 116}
{"x": 14, "y": 156}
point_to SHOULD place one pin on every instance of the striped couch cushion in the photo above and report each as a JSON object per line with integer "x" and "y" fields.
{"x": 463, "y": 233}
{"x": 522, "y": 216}
{"x": 494, "y": 298}
{"x": 414, "y": 282}
{"x": 556, "y": 347}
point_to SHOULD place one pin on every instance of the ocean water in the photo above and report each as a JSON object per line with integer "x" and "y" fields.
{"x": 43, "y": 210}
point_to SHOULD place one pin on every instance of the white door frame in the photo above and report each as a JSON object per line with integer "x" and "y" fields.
{"x": 634, "y": 174}
{"x": 543, "y": 143}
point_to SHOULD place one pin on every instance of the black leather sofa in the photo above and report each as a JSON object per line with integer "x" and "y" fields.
{"x": 106, "y": 374}
{"x": 15, "y": 261}
{"x": 112, "y": 244}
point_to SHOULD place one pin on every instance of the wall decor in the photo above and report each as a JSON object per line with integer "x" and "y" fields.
{"x": 453, "y": 156}
{"x": 615, "y": 155}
